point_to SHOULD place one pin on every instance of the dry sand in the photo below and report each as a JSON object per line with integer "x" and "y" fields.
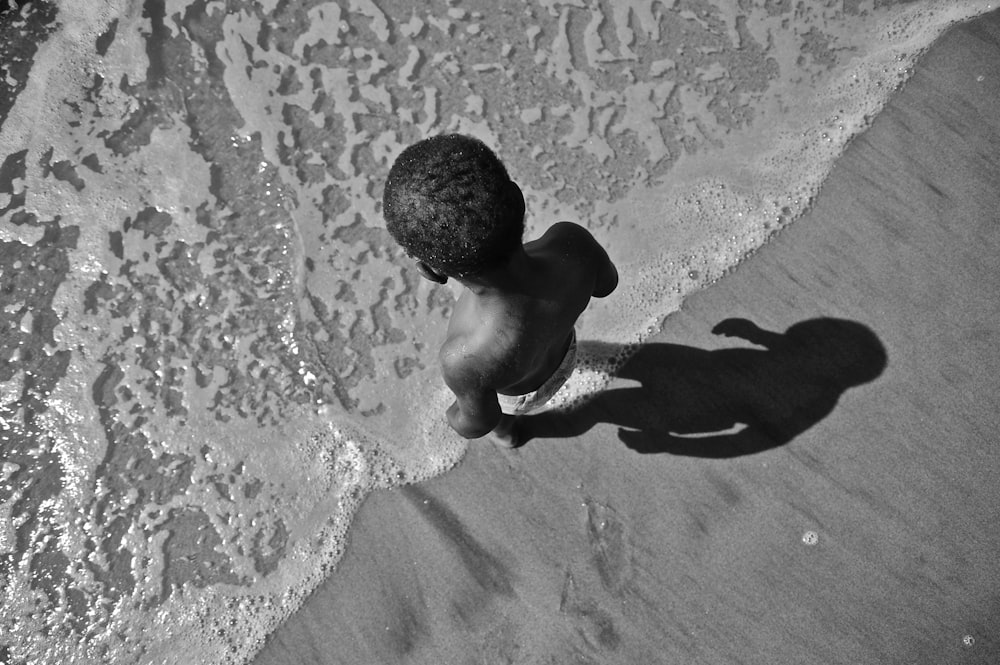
{"x": 849, "y": 522}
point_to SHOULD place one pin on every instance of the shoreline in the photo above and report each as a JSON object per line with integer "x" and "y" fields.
{"x": 867, "y": 537}
{"x": 770, "y": 414}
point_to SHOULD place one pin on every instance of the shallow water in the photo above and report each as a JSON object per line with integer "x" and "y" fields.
{"x": 211, "y": 349}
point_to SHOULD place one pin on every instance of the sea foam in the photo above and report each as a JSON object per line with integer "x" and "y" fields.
{"x": 213, "y": 350}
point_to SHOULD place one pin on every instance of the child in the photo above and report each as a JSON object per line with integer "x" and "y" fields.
{"x": 510, "y": 344}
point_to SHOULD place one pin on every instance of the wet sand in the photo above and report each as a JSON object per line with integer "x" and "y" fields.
{"x": 842, "y": 512}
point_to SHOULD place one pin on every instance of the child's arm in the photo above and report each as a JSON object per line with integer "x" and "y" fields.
{"x": 475, "y": 411}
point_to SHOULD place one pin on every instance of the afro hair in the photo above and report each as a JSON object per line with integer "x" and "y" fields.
{"x": 449, "y": 202}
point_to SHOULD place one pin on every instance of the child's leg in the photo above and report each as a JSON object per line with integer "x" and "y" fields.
{"x": 504, "y": 434}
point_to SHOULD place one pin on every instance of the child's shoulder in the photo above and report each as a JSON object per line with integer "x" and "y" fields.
{"x": 568, "y": 235}
{"x": 568, "y": 230}
{"x": 574, "y": 241}
{"x": 467, "y": 357}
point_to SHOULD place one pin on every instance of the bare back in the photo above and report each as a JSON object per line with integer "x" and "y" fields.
{"x": 510, "y": 336}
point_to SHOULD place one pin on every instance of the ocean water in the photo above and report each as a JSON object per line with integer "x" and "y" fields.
{"x": 210, "y": 349}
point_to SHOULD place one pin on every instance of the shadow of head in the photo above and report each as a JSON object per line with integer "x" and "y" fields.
{"x": 846, "y": 352}
{"x": 726, "y": 402}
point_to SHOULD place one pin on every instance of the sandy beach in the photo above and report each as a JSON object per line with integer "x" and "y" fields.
{"x": 829, "y": 496}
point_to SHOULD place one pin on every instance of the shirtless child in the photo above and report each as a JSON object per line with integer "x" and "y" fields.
{"x": 511, "y": 342}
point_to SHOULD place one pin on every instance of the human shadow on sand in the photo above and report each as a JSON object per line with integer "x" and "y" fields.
{"x": 728, "y": 402}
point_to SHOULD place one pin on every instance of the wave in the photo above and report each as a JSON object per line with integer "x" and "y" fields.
{"x": 214, "y": 349}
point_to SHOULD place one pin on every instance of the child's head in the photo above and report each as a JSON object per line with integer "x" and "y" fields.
{"x": 449, "y": 202}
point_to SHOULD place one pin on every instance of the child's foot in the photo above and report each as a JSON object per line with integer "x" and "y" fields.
{"x": 505, "y": 441}
{"x": 505, "y": 434}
